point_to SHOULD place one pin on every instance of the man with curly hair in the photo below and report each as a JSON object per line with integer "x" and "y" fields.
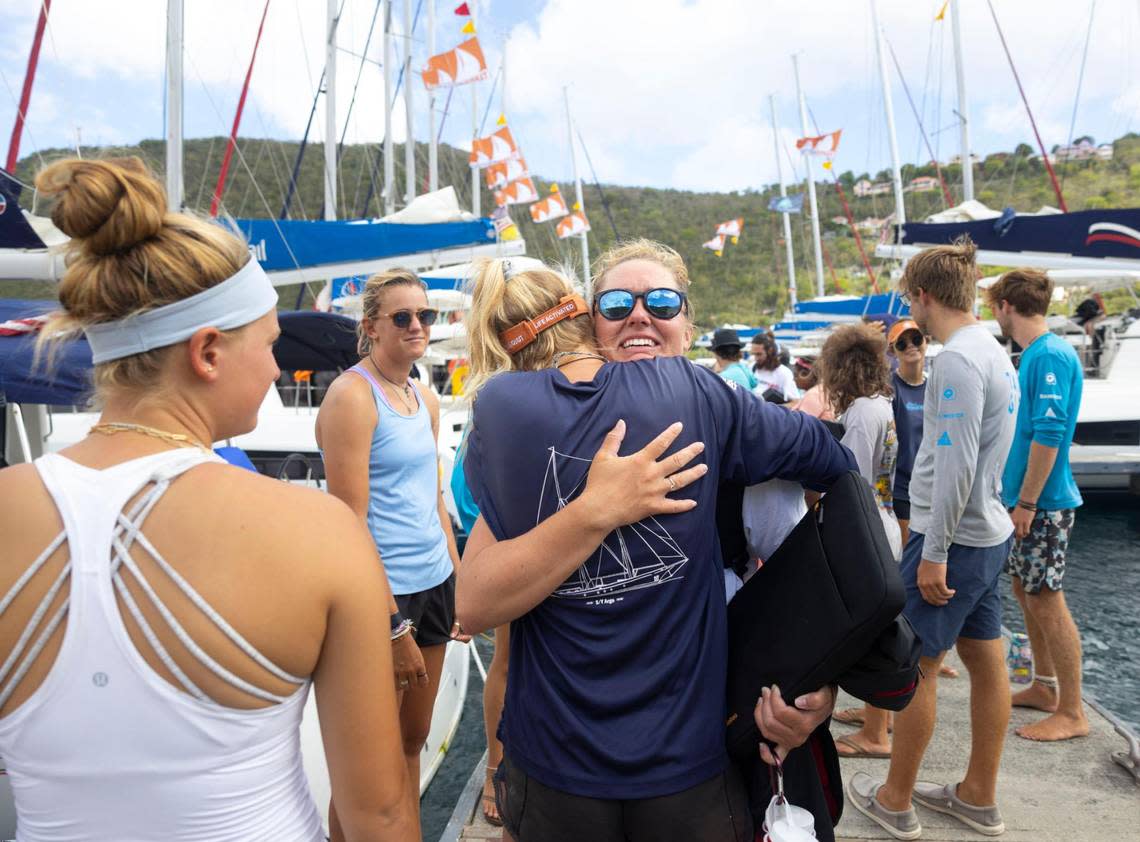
{"x": 959, "y": 541}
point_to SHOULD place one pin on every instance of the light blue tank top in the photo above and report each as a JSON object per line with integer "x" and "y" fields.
{"x": 403, "y": 496}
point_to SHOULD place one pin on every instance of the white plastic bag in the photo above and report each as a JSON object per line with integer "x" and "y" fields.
{"x": 783, "y": 821}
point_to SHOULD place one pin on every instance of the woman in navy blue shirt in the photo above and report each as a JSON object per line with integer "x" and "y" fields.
{"x": 615, "y": 700}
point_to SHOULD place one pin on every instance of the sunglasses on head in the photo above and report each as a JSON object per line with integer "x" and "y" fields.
{"x": 661, "y": 303}
{"x": 915, "y": 340}
{"x": 402, "y": 319}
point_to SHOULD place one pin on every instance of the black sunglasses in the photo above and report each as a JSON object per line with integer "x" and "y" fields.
{"x": 661, "y": 303}
{"x": 403, "y": 318}
{"x": 916, "y": 340}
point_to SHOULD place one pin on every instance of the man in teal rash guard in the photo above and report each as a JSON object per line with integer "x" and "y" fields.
{"x": 1039, "y": 490}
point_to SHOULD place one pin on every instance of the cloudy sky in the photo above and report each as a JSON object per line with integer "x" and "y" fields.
{"x": 665, "y": 93}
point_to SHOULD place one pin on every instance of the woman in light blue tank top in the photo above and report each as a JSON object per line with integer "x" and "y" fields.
{"x": 377, "y": 430}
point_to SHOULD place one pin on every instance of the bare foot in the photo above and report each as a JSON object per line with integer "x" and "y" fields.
{"x": 1036, "y": 695}
{"x": 1059, "y": 726}
{"x": 948, "y": 671}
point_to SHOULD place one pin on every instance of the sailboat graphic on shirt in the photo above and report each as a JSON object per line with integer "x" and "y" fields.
{"x": 620, "y": 563}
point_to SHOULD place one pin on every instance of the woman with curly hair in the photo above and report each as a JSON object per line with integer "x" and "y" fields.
{"x": 856, "y": 378}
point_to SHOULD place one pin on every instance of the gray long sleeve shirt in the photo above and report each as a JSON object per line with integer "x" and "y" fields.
{"x": 969, "y": 417}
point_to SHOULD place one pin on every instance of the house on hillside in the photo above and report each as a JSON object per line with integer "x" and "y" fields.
{"x": 863, "y": 188}
{"x": 870, "y": 224}
{"x": 922, "y": 184}
{"x": 838, "y": 220}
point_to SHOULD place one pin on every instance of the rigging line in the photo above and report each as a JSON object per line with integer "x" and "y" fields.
{"x": 918, "y": 119}
{"x": 598, "y": 184}
{"x": 850, "y": 219}
{"x": 490, "y": 100}
{"x": 248, "y": 188}
{"x": 220, "y": 188}
{"x": 359, "y": 73}
{"x": 926, "y": 79}
{"x": 309, "y": 125}
{"x": 242, "y": 161}
{"x": 31, "y": 136}
{"x": 1032, "y": 122}
{"x": 205, "y": 171}
{"x": 395, "y": 96}
{"x": 270, "y": 145}
{"x": 1080, "y": 81}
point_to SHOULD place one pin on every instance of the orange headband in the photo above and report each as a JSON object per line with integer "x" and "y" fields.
{"x": 516, "y": 338}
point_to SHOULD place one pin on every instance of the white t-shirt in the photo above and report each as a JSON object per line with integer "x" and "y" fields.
{"x": 779, "y": 378}
{"x": 870, "y": 435}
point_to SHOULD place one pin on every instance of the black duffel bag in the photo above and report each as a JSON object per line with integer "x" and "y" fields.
{"x": 814, "y": 612}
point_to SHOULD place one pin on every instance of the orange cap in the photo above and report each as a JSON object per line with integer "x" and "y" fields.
{"x": 899, "y": 328}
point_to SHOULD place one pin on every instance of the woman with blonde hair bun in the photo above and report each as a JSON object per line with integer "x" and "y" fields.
{"x": 164, "y": 614}
{"x": 608, "y": 567}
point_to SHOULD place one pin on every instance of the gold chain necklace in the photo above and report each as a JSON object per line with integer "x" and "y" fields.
{"x": 109, "y": 428}
{"x": 564, "y": 357}
{"x": 405, "y": 393}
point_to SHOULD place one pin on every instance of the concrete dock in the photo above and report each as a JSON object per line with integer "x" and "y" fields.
{"x": 1047, "y": 792}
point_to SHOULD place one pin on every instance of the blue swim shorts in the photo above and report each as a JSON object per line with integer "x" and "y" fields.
{"x": 974, "y": 573}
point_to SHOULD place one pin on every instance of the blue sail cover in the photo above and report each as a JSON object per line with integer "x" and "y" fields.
{"x": 22, "y": 380}
{"x": 292, "y": 243}
{"x": 881, "y": 302}
{"x": 15, "y": 232}
{"x": 1111, "y": 233}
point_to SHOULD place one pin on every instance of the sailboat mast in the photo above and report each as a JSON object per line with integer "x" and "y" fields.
{"x": 816, "y": 242}
{"x": 787, "y": 218}
{"x": 410, "y": 114}
{"x": 889, "y": 108}
{"x": 330, "y": 112}
{"x": 578, "y": 194}
{"x": 963, "y": 112}
{"x": 389, "y": 151}
{"x": 174, "y": 184}
{"x": 433, "y": 142}
{"x": 26, "y": 92}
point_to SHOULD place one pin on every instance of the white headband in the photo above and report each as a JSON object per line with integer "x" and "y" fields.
{"x": 236, "y": 301}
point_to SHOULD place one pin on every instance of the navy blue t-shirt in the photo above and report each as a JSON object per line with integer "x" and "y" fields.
{"x": 617, "y": 680}
{"x": 907, "y": 404}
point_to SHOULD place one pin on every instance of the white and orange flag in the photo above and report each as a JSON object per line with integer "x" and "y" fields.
{"x": 575, "y": 223}
{"x": 552, "y": 207}
{"x": 825, "y": 144}
{"x": 518, "y": 192}
{"x": 732, "y": 228}
{"x": 500, "y": 174}
{"x": 456, "y": 67}
{"x": 716, "y": 244}
{"x": 499, "y": 146}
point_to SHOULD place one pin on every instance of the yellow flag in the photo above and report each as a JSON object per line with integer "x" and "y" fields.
{"x": 718, "y": 253}
{"x": 577, "y": 206}
{"x": 942, "y": 12}
{"x": 735, "y": 240}
{"x": 502, "y": 121}
{"x": 468, "y": 28}
{"x": 827, "y": 165}
{"x": 553, "y": 188}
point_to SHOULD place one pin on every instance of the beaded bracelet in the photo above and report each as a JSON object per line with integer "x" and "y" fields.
{"x": 402, "y": 629}
{"x": 1029, "y": 507}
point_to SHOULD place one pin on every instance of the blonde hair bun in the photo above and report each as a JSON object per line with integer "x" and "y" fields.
{"x": 107, "y": 206}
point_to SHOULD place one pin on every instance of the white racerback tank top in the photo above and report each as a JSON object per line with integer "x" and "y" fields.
{"x": 105, "y": 748}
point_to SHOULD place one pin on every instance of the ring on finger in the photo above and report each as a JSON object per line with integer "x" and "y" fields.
{"x": 672, "y": 484}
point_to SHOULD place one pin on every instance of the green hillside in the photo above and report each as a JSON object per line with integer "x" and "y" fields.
{"x": 745, "y": 284}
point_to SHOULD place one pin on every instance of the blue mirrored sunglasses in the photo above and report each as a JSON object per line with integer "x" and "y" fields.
{"x": 661, "y": 303}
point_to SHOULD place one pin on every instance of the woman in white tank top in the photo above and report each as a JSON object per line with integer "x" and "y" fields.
{"x": 162, "y": 614}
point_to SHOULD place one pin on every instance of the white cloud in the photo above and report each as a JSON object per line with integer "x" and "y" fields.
{"x": 665, "y": 92}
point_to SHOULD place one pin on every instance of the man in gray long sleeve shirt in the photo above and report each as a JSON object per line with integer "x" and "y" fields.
{"x": 960, "y": 538}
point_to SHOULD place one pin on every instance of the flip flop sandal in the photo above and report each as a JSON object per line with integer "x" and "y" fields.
{"x": 858, "y": 750}
{"x": 488, "y": 801}
{"x": 854, "y": 717}
{"x": 850, "y": 716}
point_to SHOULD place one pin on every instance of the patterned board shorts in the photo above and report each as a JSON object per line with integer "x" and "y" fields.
{"x": 1039, "y": 558}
